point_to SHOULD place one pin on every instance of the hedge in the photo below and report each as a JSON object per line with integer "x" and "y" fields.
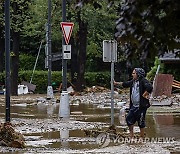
{"x": 40, "y": 79}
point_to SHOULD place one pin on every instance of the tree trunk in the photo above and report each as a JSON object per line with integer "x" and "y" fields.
{"x": 74, "y": 62}
{"x": 15, "y": 63}
{"x": 2, "y": 49}
{"x": 80, "y": 84}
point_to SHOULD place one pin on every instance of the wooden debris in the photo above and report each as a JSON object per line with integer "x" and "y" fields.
{"x": 161, "y": 101}
{"x": 111, "y": 131}
{"x": 9, "y": 137}
{"x": 164, "y": 102}
{"x": 176, "y": 84}
{"x": 95, "y": 89}
{"x": 163, "y": 85}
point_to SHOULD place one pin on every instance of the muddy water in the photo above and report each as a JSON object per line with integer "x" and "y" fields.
{"x": 158, "y": 125}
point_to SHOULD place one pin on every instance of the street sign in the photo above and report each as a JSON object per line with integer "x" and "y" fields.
{"x": 110, "y": 55}
{"x": 110, "y": 51}
{"x": 67, "y": 30}
{"x": 56, "y": 56}
{"x": 66, "y": 51}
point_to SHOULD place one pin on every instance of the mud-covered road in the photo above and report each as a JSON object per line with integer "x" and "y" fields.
{"x": 45, "y": 132}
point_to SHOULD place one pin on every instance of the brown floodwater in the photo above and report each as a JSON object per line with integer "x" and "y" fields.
{"x": 158, "y": 124}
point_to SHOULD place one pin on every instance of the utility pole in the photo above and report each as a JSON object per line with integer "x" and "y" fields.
{"x": 64, "y": 110}
{"x": 50, "y": 94}
{"x": 7, "y": 63}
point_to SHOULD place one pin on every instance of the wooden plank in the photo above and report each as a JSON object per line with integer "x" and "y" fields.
{"x": 175, "y": 86}
{"x": 175, "y": 81}
{"x": 163, "y": 85}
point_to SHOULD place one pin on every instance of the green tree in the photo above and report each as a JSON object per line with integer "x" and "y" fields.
{"x": 35, "y": 30}
{"x": 18, "y": 14}
{"x": 146, "y": 28}
{"x": 93, "y": 23}
{"x": 101, "y": 27}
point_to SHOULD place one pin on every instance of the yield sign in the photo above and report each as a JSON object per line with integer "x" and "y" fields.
{"x": 67, "y": 30}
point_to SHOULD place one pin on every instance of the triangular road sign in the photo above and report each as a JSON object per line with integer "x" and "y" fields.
{"x": 67, "y": 30}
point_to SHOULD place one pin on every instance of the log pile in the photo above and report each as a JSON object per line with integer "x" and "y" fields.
{"x": 9, "y": 137}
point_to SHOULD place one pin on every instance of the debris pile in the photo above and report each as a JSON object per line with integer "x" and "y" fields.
{"x": 112, "y": 131}
{"x": 95, "y": 89}
{"x": 175, "y": 99}
{"x": 165, "y": 100}
{"x": 160, "y": 98}
{"x": 9, "y": 137}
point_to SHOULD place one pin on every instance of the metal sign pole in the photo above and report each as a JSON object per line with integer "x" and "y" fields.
{"x": 112, "y": 93}
{"x": 113, "y": 59}
{"x": 50, "y": 94}
{"x": 7, "y": 50}
{"x": 49, "y": 42}
{"x": 110, "y": 55}
{"x": 64, "y": 110}
{"x": 64, "y": 61}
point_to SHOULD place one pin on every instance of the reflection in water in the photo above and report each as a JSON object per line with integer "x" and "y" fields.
{"x": 122, "y": 116}
{"x": 48, "y": 109}
{"x": 166, "y": 126}
{"x": 41, "y": 107}
{"x": 164, "y": 119}
{"x": 64, "y": 135}
{"x": 157, "y": 125}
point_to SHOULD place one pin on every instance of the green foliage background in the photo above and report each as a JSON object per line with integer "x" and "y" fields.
{"x": 102, "y": 22}
{"x": 40, "y": 79}
{"x": 152, "y": 72}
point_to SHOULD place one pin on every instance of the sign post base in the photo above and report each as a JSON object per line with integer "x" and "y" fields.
{"x": 64, "y": 110}
{"x": 50, "y": 94}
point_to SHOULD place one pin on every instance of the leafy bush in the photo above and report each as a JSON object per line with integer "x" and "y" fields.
{"x": 169, "y": 68}
{"x": 152, "y": 72}
{"x": 27, "y": 61}
{"x": 2, "y": 78}
{"x": 40, "y": 79}
{"x": 98, "y": 78}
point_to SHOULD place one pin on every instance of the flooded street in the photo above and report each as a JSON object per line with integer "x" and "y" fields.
{"x": 45, "y": 132}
